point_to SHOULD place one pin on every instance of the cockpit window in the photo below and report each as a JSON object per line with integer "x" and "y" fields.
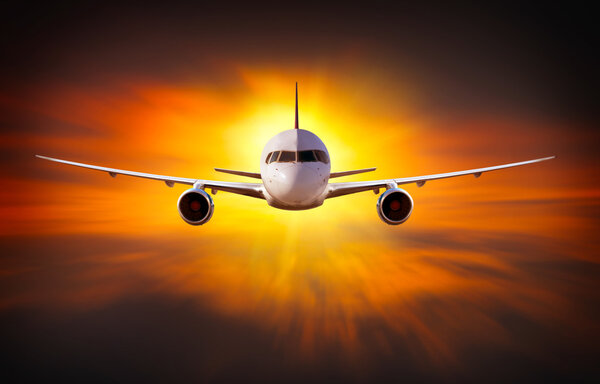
{"x": 322, "y": 156}
{"x": 287, "y": 157}
{"x": 306, "y": 156}
{"x": 272, "y": 157}
{"x": 302, "y": 156}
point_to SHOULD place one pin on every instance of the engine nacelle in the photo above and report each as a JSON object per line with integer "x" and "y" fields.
{"x": 394, "y": 206}
{"x": 195, "y": 206}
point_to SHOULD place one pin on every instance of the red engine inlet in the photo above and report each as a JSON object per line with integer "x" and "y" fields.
{"x": 195, "y": 206}
{"x": 394, "y": 206}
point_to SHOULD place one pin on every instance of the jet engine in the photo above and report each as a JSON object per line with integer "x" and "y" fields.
{"x": 394, "y": 206}
{"x": 195, "y": 206}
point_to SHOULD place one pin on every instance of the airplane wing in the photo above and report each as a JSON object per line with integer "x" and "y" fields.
{"x": 341, "y": 189}
{"x": 247, "y": 189}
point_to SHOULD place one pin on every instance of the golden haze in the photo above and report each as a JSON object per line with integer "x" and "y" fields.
{"x": 311, "y": 276}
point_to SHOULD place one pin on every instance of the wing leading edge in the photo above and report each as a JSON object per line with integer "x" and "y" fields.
{"x": 247, "y": 189}
{"x": 341, "y": 189}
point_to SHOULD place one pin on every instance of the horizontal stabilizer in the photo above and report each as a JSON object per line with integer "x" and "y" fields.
{"x": 347, "y": 173}
{"x": 239, "y": 173}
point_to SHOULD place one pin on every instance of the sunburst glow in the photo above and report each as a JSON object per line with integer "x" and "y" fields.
{"x": 313, "y": 278}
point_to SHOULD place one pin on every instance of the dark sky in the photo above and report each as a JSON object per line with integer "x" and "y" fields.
{"x": 463, "y": 298}
{"x": 522, "y": 58}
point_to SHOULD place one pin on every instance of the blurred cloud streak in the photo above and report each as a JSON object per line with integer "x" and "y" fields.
{"x": 499, "y": 269}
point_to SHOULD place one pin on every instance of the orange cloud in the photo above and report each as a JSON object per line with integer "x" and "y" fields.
{"x": 313, "y": 277}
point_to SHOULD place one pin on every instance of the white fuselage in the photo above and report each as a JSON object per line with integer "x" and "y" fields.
{"x": 297, "y": 175}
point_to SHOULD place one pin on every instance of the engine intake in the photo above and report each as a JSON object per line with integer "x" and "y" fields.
{"x": 195, "y": 206}
{"x": 394, "y": 206}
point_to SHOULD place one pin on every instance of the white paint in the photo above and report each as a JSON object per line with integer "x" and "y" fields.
{"x": 294, "y": 185}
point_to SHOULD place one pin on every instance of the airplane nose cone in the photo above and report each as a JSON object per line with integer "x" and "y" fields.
{"x": 297, "y": 184}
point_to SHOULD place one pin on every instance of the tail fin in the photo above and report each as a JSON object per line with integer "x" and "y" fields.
{"x": 296, "y": 125}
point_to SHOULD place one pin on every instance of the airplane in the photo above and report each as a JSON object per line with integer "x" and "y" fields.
{"x": 295, "y": 173}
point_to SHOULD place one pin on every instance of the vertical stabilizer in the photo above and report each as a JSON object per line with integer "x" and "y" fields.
{"x": 296, "y": 125}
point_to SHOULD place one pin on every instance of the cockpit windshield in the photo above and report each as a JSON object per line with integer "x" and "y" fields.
{"x": 287, "y": 157}
{"x": 301, "y": 156}
{"x": 304, "y": 156}
{"x": 272, "y": 157}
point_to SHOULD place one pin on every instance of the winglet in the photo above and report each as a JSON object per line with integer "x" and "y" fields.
{"x": 296, "y": 125}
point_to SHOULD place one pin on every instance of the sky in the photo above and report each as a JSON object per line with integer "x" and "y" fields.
{"x": 492, "y": 279}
